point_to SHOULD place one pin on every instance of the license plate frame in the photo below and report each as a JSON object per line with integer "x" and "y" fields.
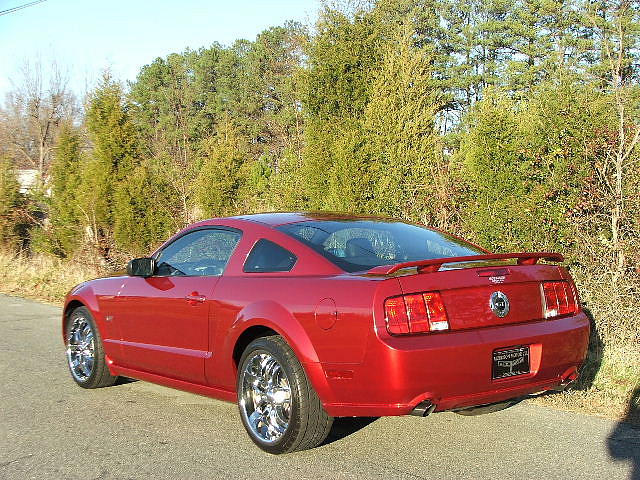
{"x": 510, "y": 362}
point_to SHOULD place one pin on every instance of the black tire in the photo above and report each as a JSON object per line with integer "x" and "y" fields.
{"x": 80, "y": 322}
{"x": 308, "y": 424}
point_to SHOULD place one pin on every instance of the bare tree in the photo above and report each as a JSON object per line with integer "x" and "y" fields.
{"x": 616, "y": 25}
{"x": 32, "y": 116}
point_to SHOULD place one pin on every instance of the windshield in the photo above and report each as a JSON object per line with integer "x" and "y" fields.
{"x": 357, "y": 245}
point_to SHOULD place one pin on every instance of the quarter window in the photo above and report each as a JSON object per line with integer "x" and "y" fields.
{"x": 200, "y": 253}
{"x": 267, "y": 256}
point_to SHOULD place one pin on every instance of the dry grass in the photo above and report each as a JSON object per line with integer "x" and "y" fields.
{"x": 614, "y": 306}
{"x": 610, "y": 383}
{"x": 42, "y": 277}
{"x": 608, "y": 388}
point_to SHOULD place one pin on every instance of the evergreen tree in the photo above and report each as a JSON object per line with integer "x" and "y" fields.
{"x": 554, "y": 124}
{"x": 65, "y": 215}
{"x": 146, "y": 209}
{"x": 400, "y": 122}
{"x": 175, "y": 105}
{"x": 492, "y": 175}
{"x": 350, "y": 181}
{"x": 12, "y": 223}
{"x": 525, "y": 165}
{"x": 254, "y": 189}
{"x": 273, "y": 60}
{"x": 219, "y": 181}
{"x": 343, "y": 59}
{"x": 286, "y": 186}
{"x": 474, "y": 34}
{"x": 112, "y": 160}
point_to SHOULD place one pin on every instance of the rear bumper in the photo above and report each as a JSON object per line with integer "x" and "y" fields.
{"x": 453, "y": 370}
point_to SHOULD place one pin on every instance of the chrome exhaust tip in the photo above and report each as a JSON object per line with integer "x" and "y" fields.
{"x": 423, "y": 409}
{"x": 568, "y": 379}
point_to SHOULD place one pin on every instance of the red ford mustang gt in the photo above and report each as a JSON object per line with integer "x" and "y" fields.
{"x": 304, "y": 317}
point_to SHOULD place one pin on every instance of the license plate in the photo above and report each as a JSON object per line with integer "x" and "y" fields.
{"x": 511, "y": 362}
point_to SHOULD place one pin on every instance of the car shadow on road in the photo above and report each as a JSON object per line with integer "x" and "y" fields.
{"x": 124, "y": 381}
{"x": 624, "y": 441}
{"x": 594, "y": 357}
{"x": 592, "y": 362}
{"x": 343, "y": 427}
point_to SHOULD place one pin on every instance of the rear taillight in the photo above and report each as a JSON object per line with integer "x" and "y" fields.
{"x": 559, "y": 299}
{"x": 415, "y": 313}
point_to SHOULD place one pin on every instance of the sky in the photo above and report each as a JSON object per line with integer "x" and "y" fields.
{"x": 86, "y": 36}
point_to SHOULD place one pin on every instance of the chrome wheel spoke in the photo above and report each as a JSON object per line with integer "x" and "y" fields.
{"x": 265, "y": 397}
{"x": 88, "y": 363}
{"x": 83, "y": 366}
{"x": 270, "y": 368}
{"x": 88, "y": 341}
{"x": 253, "y": 379}
{"x": 259, "y": 402}
{"x": 276, "y": 420}
{"x": 255, "y": 419}
{"x": 80, "y": 349}
{"x": 273, "y": 429}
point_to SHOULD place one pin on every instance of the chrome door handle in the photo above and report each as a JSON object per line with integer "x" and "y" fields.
{"x": 194, "y": 298}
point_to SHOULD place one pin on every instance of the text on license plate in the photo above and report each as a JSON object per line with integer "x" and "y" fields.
{"x": 511, "y": 362}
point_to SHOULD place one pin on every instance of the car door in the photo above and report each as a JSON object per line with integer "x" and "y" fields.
{"x": 164, "y": 319}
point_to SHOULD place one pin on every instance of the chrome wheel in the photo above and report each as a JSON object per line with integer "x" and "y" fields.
{"x": 265, "y": 397}
{"x": 80, "y": 348}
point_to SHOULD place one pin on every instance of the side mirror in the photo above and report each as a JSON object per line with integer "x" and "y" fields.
{"x": 141, "y": 267}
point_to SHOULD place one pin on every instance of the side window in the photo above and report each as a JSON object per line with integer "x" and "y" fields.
{"x": 200, "y": 253}
{"x": 267, "y": 256}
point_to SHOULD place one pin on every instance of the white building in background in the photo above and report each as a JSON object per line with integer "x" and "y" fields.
{"x": 27, "y": 179}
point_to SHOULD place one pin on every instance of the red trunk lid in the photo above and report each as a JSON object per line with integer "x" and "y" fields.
{"x": 466, "y": 292}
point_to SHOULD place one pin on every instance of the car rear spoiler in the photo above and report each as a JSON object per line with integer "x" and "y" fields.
{"x": 433, "y": 265}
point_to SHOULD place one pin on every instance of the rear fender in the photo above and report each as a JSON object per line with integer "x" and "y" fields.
{"x": 272, "y": 315}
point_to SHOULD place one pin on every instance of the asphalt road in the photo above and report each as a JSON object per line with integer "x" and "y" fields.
{"x": 50, "y": 428}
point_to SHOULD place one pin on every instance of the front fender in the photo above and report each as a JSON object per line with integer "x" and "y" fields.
{"x": 99, "y": 297}
{"x": 82, "y": 295}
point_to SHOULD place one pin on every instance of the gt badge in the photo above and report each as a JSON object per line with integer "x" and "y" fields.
{"x": 499, "y": 304}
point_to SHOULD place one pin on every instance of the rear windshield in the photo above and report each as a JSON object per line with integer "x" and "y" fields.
{"x": 357, "y": 245}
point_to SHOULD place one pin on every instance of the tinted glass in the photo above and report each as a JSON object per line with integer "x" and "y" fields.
{"x": 200, "y": 253}
{"x": 267, "y": 256}
{"x": 357, "y": 245}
